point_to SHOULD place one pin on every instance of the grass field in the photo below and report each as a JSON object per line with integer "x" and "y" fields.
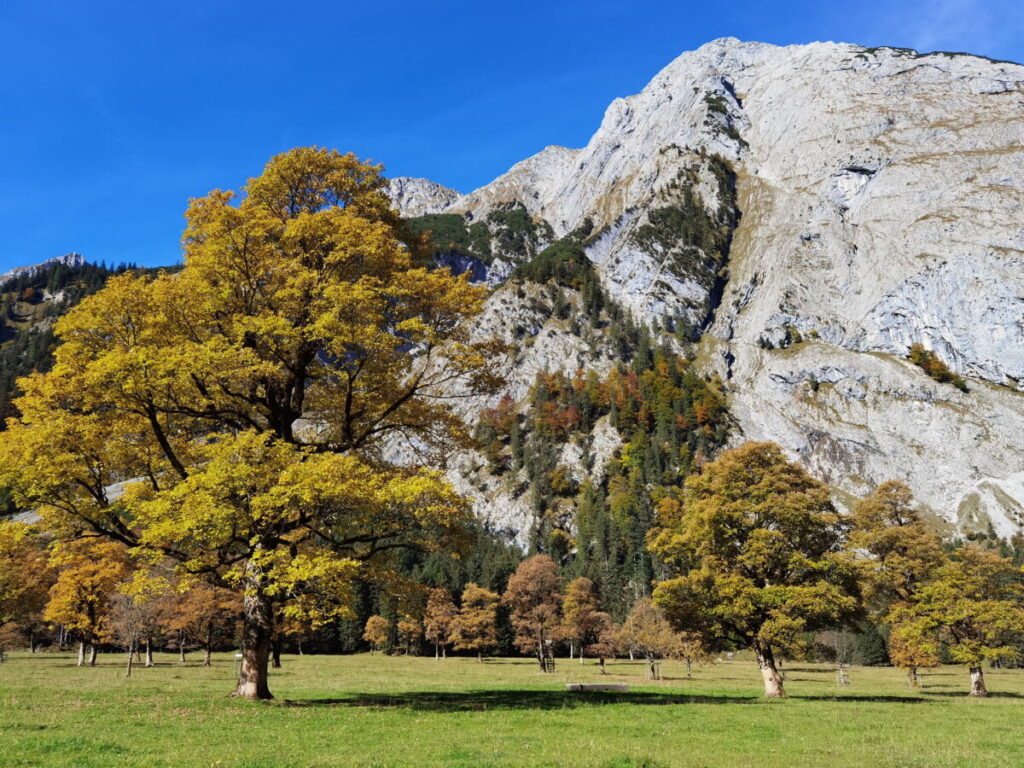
{"x": 398, "y": 711}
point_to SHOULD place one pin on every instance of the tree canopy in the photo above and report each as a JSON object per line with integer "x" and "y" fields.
{"x": 757, "y": 547}
{"x": 233, "y": 417}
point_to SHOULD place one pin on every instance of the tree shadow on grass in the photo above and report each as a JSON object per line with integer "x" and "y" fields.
{"x": 474, "y": 701}
{"x": 479, "y": 701}
{"x": 881, "y": 698}
{"x": 963, "y": 694}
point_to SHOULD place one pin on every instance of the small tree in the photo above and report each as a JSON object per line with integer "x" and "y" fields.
{"x": 646, "y": 631}
{"x": 25, "y": 578}
{"x": 605, "y": 635}
{"x": 89, "y": 572}
{"x": 476, "y": 626}
{"x": 128, "y": 621}
{"x": 10, "y": 638}
{"x": 377, "y": 633}
{"x": 202, "y": 614}
{"x": 410, "y": 632}
{"x": 532, "y": 598}
{"x": 913, "y": 644}
{"x": 976, "y": 601}
{"x": 757, "y": 546}
{"x": 440, "y": 615}
{"x": 579, "y": 609}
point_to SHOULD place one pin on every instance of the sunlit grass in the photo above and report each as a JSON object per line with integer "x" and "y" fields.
{"x": 396, "y": 711}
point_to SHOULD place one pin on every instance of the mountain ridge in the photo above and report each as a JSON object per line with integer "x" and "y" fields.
{"x": 878, "y": 196}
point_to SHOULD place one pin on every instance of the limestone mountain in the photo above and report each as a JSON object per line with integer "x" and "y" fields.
{"x": 798, "y": 219}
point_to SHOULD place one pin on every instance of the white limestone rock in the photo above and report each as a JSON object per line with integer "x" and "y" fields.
{"x": 882, "y": 200}
{"x": 416, "y": 197}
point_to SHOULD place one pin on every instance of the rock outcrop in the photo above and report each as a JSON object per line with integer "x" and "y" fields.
{"x": 848, "y": 203}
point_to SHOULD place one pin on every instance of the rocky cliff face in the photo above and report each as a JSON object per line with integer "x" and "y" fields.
{"x": 804, "y": 215}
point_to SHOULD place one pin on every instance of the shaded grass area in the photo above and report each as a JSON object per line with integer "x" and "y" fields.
{"x": 397, "y": 711}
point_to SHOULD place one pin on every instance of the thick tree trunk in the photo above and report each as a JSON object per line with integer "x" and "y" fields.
{"x": 131, "y": 658}
{"x": 603, "y": 671}
{"x": 257, "y": 629}
{"x": 572, "y": 648}
{"x": 298, "y": 646}
{"x": 652, "y": 670}
{"x": 437, "y": 650}
{"x": 81, "y": 653}
{"x": 480, "y": 656}
{"x": 92, "y": 654}
{"x": 275, "y": 652}
{"x": 149, "y": 652}
{"x": 581, "y": 655}
{"x": 181, "y": 647}
{"x": 32, "y": 641}
{"x": 772, "y": 679}
{"x": 978, "y": 683}
{"x": 444, "y": 651}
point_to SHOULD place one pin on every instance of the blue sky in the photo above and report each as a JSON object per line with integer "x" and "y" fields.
{"x": 115, "y": 113}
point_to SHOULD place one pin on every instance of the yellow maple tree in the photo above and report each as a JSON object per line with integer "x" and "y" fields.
{"x": 233, "y": 417}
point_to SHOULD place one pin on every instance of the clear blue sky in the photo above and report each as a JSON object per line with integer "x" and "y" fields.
{"x": 115, "y": 113}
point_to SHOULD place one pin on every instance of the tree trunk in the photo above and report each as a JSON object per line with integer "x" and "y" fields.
{"x": 181, "y": 647}
{"x": 81, "y": 653}
{"x": 298, "y": 646}
{"x": 92, "y": 654}
{"x": 652, "y": 670}
{"x": 131, "y": 658}
{"x": 275, "y": 652}
{"x": 772, "y": 679}
{"x": 978, "y": 683}
{"x": 209, "y": 645}
{"x": 32, "y": 641}
{"x": 912, "y": 679}
{"x": 444, "y": 651}
{"x": 437, "y": 650}
{"x": 631, "y": 658}
{"x": 689, "y": 668}
{"x": 480, "y": 656}
{"x": 149, "y": 652}
{"x": 603, "y": 672}
{"x": 572, "y": 648}
{"x": 257, "y": 628}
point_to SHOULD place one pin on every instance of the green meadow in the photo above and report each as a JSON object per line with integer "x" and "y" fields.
{"x": 376, "y": 710}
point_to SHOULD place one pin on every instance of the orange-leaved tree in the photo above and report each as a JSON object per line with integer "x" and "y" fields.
{"x": 89, "y": 571}
{"x": 232, "y": 417}
{"x": 438, "y": 620}
{"x": 533, "y": 601}
{"x": 646, "y": 631}
{"x": 476, "y": 626}
{"x": 25, "y": 578}
{"x": 377, "y": 633}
